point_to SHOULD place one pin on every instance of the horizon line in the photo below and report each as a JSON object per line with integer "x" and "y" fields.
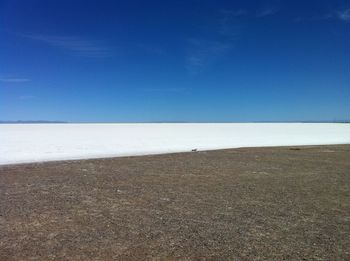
{"x": 159, "y": 122}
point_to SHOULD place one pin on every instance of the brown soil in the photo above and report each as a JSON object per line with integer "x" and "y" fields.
{"x": 241, "y": 204}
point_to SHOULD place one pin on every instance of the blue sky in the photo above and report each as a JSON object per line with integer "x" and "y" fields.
{"x": 193, "y": 60}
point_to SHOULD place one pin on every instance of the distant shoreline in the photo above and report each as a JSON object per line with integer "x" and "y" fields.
{"x": 30, "y": 122}
{"x": 158, "y": 122}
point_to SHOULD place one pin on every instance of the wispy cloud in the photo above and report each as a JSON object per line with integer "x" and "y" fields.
{"x": 338, "y": 14}
{"x": 226, "y": 27}
{"x": 75, "y": 45}
{"x": 344, "y": 15}
{"x": 14, "y": 80}
{"x": 201, "y": 53}
{"x": 262, "y": 12}
{"x": 204, "y": 51}
{"x": 267, "y": 11}
{"x": 234, "y": 13}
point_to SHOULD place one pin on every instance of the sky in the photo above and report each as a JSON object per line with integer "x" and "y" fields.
{"x": 183, "y": 60}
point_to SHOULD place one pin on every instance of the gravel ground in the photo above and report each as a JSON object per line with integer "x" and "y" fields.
{"x": 241, "y": 204}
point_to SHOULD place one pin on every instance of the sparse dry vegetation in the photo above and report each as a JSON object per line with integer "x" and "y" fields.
{"x": 249, "y": 203}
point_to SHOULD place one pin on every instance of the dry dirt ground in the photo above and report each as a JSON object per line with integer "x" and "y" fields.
{"x": 239, "y": 204}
